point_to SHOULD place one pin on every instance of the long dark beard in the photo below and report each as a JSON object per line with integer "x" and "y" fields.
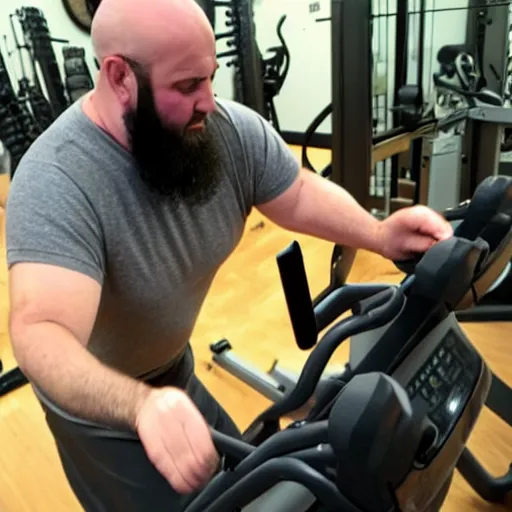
{"x": 183, "y": 167}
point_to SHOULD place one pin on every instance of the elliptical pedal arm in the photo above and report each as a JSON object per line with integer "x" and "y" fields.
{"x": 267, "y": 476}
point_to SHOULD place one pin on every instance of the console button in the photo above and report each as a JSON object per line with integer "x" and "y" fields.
{"x": 434, "y": 400}
{"x": 435, "y": 382}
{"x": 426, "y": 393}
{"x": 450, "y": 340}
{"x": 453, "y": 373}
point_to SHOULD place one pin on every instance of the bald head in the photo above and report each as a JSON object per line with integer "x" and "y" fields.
{"x": 154, "y": 91}
{"x": 147, "y": 30}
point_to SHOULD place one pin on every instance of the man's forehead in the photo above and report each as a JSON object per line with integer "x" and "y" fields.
{"x": 187, "y": 67}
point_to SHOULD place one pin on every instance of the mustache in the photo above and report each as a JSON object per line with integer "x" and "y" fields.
{"x": 197, "y": 118}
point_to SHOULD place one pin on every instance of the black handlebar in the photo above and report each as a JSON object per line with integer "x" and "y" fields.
{"x": 300, "y": 443}
{"x": 269, "y": 474}
{"x": 230, "y": 446}
{"x": 492, "y": 197}
{"x": 262, "y": 468}
{"x": 318, "y": 359}
{"x": 341, "y": 300}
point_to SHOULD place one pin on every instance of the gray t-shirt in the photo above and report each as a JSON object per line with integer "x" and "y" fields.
{"x": 77, "y": 201}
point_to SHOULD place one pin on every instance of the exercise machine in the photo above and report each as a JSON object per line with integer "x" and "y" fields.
{"x": 243, "y": 52}
{"x": 277, "y": 381}
{"x": 39, "y": 41}
{"x": 78, "y": 78}
{"x": 407, "y": 332}
{"x": 258, "y": 79}
{"x": 459, "y": 100}
{"x": 275, "y": 71}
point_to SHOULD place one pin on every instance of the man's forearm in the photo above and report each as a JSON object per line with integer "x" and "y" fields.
{"x": 325, "y": 210}
{"x": 54, "y": 360}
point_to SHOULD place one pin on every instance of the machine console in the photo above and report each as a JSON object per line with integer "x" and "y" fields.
{"x": 445, "y": 382}
{"x": 444, "y": 379}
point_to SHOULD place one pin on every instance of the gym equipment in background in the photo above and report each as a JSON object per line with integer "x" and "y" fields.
{"x": 244, "y": 54}
{"x": 78, "y": 77}
{"x": 39, "y": 41}
{"x": 16, "y": 124}
{"x": 5, "y": 168}
{"x": 275, "y": 71}
{"x": 460, "y": 92}
{"x": 456, "y": 101}
{"x": 258, "y": 80}
{"x": 30, "y": 91}
{"x": 388, "y": 432}
{"x": 354, "y": 108}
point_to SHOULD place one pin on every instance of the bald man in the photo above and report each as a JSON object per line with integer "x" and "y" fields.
{"x": 118, "y": 219}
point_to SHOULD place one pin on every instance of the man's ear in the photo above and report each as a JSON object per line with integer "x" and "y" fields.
{"x": 121, "y": 80}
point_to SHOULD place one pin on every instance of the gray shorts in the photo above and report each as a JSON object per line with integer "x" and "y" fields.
{"x": 109, "y": 471}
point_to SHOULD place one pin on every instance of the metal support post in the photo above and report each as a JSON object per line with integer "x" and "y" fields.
{"x": 351, "y": 97}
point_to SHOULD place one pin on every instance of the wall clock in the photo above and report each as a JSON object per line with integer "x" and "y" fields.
{"x": 78, "y": 11}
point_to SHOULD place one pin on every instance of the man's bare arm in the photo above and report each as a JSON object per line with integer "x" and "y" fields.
{"x": 52, "y": 315}
{"x": 316, "y": 206}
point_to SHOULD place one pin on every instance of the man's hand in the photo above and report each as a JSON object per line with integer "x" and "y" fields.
{"x": 177, "y": 439}
{"x": 411, "y": 231}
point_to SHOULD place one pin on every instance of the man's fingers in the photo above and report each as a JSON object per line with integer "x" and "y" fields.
{"x": 418, "y": 244}
{"x": 201, "y": 444}
{"x": 430, "y": 223}
{"x": 189, "y": 464}
{"x": 170, "y": 456}
{"x": 167, "y": 463}
{"x": 177, "y": 440}
{"x": 200, "y": 461}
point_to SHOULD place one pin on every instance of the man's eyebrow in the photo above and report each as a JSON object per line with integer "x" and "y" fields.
{"x": 197, "y": 78}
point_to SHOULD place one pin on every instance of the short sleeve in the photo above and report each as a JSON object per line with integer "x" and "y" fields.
{"x": 50, "y": 220}
{"x": 273, "y": 167}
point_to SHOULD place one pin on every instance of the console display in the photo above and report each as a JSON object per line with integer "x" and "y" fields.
{"x": 445, "y": 382}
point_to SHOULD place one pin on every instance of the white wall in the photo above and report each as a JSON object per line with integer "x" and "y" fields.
{"x": 59, "y": 24}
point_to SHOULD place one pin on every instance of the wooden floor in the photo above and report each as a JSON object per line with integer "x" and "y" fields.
{"x": 246, "y": 305}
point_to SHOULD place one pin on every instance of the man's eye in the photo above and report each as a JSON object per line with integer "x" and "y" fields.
{"x": 189, "y": 86}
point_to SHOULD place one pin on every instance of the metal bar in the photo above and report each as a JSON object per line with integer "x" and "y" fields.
{"x": 491, "y": 115}
{"x": 490, "y": 488}
{"x": 252, "y": 376}
{"x": 446, "y": 9}
{"x": 485, "y": 313}
{"x": 489, "y": 142}
{"x": 351, "y": 92}
{"x": 495, "y": 50}
{"x": 401, "y": 52}
{"x": 421, "y": 48}
{"x": 499, "y": 399}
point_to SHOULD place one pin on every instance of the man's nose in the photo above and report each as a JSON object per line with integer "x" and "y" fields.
{"x": 206, "y": 102}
